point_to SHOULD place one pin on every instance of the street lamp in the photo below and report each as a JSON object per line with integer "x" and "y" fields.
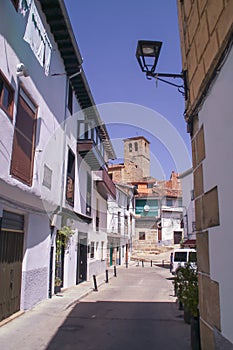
{"x": 147, "y": 54}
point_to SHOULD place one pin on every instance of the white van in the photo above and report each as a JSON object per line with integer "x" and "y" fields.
{"x": 181, "y": 257}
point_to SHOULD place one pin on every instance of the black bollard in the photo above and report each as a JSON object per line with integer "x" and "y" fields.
{"x": 95, "y": 284}
{"x": 151, "y": 263}
{"x": 126, "y": 264}
{"x": 106, "y": 276}
{"x": 142, "y": 263}
{"x": 115, "y": 274}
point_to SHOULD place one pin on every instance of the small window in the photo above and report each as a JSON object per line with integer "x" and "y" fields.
{"x": 47, "y": 179}
{"x": 130, "y": 147}
{"x": 180, "y": 202}
{"x": 92, "y": 250}
{"x": 142, "y": 236}
{"x": 6, "y": 96}
{"x": 136, "y": 146}
{"x": 169, "y": 202}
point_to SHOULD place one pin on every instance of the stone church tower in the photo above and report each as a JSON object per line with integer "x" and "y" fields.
{"x": 137, "y": 150}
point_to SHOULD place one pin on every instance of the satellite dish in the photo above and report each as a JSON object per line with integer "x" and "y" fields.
{"x": 146, "y": 208}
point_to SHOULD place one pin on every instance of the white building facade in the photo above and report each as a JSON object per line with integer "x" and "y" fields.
{"x": 188, "y": 204}
{"x": 47, "y": 159}
{"x": 121, "y": 225}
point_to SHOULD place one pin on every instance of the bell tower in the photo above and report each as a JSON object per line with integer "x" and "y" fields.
{"x": 137, "y": 150}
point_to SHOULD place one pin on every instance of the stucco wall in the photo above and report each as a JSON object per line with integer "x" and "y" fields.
{"x": 35, "y": 272}
{"x": 216, "y": 116}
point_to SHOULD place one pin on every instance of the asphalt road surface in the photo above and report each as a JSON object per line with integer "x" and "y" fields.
{"x": 135, "y": 310}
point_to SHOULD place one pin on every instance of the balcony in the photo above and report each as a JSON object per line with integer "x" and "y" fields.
{"x": 104, "y": 184}
{"x": 90, "y": 146}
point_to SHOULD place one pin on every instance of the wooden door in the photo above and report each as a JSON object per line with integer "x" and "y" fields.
{"x": 11, "y": 257}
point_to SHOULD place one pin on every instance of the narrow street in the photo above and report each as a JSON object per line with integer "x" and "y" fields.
{"x": 134, "y": 310}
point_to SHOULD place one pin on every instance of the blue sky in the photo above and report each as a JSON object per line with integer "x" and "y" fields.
{"x": 107, "y": 33}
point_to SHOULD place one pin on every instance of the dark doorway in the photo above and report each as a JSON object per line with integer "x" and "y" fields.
{"x": 81, "y": 275}
{"x": 59, "y": 263}
{"x": 110, "y": 256}
{"x": 11, "y": 257}
{"x": 177, "y": 237}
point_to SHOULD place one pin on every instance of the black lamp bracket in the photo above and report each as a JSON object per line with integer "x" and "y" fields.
{"x": 182, "y": 88}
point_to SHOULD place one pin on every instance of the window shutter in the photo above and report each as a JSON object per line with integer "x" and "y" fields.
{"x": 23, "y": 143}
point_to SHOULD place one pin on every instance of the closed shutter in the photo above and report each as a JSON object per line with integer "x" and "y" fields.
{"x": 11, "y": 257}
{"x": 23, "y": 143}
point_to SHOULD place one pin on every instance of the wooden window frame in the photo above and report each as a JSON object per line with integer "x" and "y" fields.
{"x": 70, "y": 178}
{"x": 142, "y": 236}
{"x": 34, "y": 108}
{"x": 6, "y": 85}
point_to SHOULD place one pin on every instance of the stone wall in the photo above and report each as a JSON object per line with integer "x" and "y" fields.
{"x": 206, "y": 30}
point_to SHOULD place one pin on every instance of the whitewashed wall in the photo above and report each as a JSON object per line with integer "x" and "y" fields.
{"x": 49, "y": 93}
{"x": 188, "y": 204}
{"x": 216, "y": 116}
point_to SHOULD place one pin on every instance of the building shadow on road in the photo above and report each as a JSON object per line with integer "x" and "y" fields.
{"x": 114, "y": 325}
{"x": 163, "y": 265}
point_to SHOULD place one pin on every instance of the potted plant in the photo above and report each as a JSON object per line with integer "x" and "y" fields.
{"x": 57, "y": 285}
{"x": 62, "y": 243}
{"x": 186, "y": 290}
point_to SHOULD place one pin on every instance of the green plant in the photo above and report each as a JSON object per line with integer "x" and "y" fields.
{"x": 62, "y": 241}
{"x": 186, "y": 288}
{"x": 65, "y": 233}
{"x": 57, "y": 282}
{"x": 63, "y": 237}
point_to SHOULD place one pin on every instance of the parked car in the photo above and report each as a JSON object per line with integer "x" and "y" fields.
{"x": 183, "y": 256}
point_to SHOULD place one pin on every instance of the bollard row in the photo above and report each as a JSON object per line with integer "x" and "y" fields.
{"x": 95, "y": 289}
{"x": 151, "y": 263}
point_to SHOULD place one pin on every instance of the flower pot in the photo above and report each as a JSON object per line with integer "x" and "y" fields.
{"x": 57, "y": 289}
{"x": 195, "y": 334}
